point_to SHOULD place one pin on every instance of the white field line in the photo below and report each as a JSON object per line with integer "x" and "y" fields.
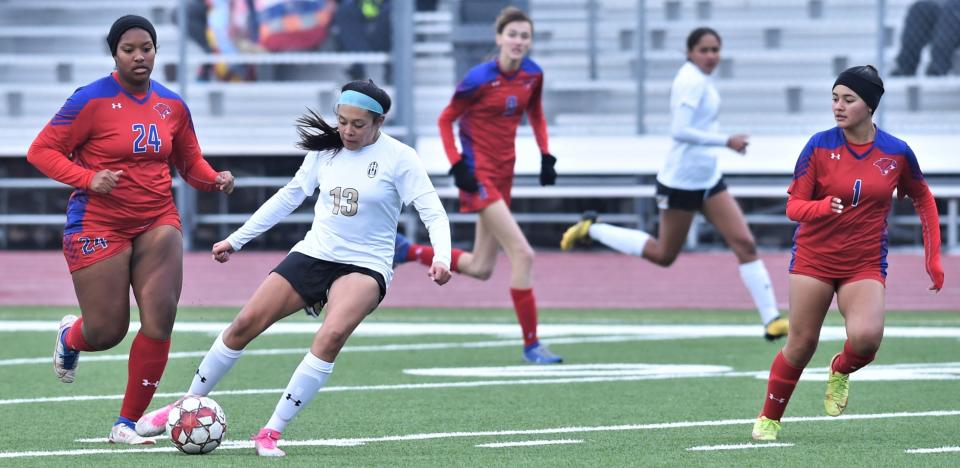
{"x": 933, "y": 450}
{"x": 528, "y": 443}
{"x": 710, "y": 448}
{"x": 519, "y": 432}
{"x": 509, "y": 330}
{"x": 365, "y": 388}
{"x": 97, "y": 357}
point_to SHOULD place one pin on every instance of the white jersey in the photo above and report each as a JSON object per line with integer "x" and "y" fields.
{"x": 358, "y": 208}
{"x": 694, "y": 105}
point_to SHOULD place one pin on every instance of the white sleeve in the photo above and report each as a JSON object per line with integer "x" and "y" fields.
{"x": 281, "y": 204}
{"x": 438, "y": 226}
{"x": 681, "y": 128}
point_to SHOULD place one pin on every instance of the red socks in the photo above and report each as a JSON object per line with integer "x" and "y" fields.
{"x": 148, "y": 358}
{"x": 848, "y": 361}
{"x": 783, "y": 379}
{"x": 424, "y": 255}
{"x": 74, "y": 338}
{"x": 526, "y": 307}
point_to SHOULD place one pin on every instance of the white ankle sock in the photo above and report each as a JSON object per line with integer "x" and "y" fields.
{"x": 307, "y": 380}
{"x": 218, "y": 361}
{"x": 757, "y": 280}
{"x": 623, "y": 240}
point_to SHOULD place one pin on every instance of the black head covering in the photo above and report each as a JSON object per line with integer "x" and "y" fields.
{"x": 864, "y": 81}
{"x": 125, "y": 23}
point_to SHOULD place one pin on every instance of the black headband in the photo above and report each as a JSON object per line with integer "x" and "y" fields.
{"x": 125, "y": 23}
{"x": 861, "y": 81}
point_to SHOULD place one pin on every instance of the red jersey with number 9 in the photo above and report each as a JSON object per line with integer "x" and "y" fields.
{"x": 864, "y": 178}
{"x": 102, "y": 126}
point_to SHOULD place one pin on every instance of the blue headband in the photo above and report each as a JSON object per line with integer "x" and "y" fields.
{"x": 358, "y": 99}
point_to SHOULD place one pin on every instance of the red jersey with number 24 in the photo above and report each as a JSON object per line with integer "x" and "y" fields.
{"x": 102, "y": 126}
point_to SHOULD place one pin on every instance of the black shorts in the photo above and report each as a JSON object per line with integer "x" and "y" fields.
{"x": 687, "y": 200}
{"x": 312, "y": 278}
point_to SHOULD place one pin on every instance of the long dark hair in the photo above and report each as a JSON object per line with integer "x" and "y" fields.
{"x": 317, "y": 135}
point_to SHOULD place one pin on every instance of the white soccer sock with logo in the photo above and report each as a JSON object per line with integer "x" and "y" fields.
{"x": 218, "y": 361}
{"x": 307, "y": 380}
{"x": 623, "y": 240}
{"x": 757, "y": 280}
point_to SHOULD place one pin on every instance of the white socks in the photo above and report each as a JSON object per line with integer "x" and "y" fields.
{"x": 218, "y": 361}
{"x": 757, "y": 281}
{"x": 307, "y": 380}
{"x": 623, "y": 240}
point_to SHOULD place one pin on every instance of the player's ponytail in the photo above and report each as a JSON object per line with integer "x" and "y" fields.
{"x": 317, "y": 135}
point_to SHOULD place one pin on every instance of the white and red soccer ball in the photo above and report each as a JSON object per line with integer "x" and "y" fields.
{"x": 196, "y": 425}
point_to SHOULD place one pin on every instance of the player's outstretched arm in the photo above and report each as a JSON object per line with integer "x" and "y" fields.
{"x": 222, "y": 250}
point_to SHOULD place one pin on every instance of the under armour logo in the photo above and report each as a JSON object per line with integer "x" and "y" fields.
{"x": 779, "y": 400}
{"x": 835, "y": 156}
{"x": 202, "y": 378}
{"x": 295, "y": 402}
{"x": 147, "y": 383}
{"x": 116, "y": 105}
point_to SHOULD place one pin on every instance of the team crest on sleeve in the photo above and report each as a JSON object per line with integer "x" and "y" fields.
{"x": 372, "y": 169}
{"x": 163, "y": 109}
{"x": 885, "y": 165}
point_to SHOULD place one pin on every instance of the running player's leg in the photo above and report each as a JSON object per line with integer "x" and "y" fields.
{"x": 352, "y": 297}
{"x": 103, "y": 293}
{"x": 405, "y": 250}
{"x": 273, "y": 300}
{"x": 862, "y": 305}
{"x": 156, "y": 275}
{"x": 674, "y": 227}
{"x": 479, "y": 262}
{"x": 498, "y": 220}
{"x": 809, "y": 300}
{"x": 724, "y": 213}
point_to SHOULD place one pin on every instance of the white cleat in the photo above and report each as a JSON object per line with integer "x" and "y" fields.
{"x": 124, "y": 434}
{"x": 265, "y": 442}
{"x": 154, "y": 423}
{"x": 65, "y": 359}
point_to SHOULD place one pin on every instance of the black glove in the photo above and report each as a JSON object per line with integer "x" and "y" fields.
{"x": 463, "y": 178}
{"x": 548, "y": 175}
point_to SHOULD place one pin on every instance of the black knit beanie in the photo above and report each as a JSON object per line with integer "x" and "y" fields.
{"x": 864, "y": 81}
{"x": 124, "y": 23}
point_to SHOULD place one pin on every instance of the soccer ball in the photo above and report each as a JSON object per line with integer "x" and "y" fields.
{"x": 196, "y": 425}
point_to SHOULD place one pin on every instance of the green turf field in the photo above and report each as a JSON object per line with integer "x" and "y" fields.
{"x": 447, "y": 388}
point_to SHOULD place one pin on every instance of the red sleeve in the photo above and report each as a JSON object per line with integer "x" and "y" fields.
{"x": 912, "y": 184}
{"x": 801, "y": 210}
{"x": 50, "y": 151}
{"x": 537, "y": 121}
{"x": 458, "y": 105}
{"x": 189, "y": 161}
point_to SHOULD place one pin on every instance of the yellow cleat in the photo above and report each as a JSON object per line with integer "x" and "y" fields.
{"x": 766, "y": 429}
{"x": 776, "y": 328}
{"x": 578, "y": 232}
{"x": 838, "y": 390}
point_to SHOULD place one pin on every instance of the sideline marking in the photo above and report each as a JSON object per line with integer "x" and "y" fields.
{"x": 448, "y": 435}
{"x": 933, "y": 450}
{"x": 527, "y": 443}
{"x": 709, "y": 448}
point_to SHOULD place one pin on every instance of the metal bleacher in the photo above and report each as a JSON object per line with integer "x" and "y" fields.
{"x": 779, "y": 60}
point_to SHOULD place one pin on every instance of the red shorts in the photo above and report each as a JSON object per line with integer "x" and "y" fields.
{"x": 806, "y": 269}
{"x": 95, "y": 243}
{"x": 491, "y": 190}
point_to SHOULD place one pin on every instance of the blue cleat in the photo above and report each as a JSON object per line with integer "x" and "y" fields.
{"x": 537, "y": 353}
{"x": 400, "y": 249}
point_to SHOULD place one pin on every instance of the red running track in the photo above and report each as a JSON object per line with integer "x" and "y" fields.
{"x": 562, "y": 280}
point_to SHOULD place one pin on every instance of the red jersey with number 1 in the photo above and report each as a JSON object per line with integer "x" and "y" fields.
{"x": 864, "y": 177}
{"x": 102, "y": 126}
{"x": 489, "y": 104}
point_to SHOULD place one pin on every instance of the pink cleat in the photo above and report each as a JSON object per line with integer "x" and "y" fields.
{"x": 154, "y": 423}
{"x": 265, "y": 442}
